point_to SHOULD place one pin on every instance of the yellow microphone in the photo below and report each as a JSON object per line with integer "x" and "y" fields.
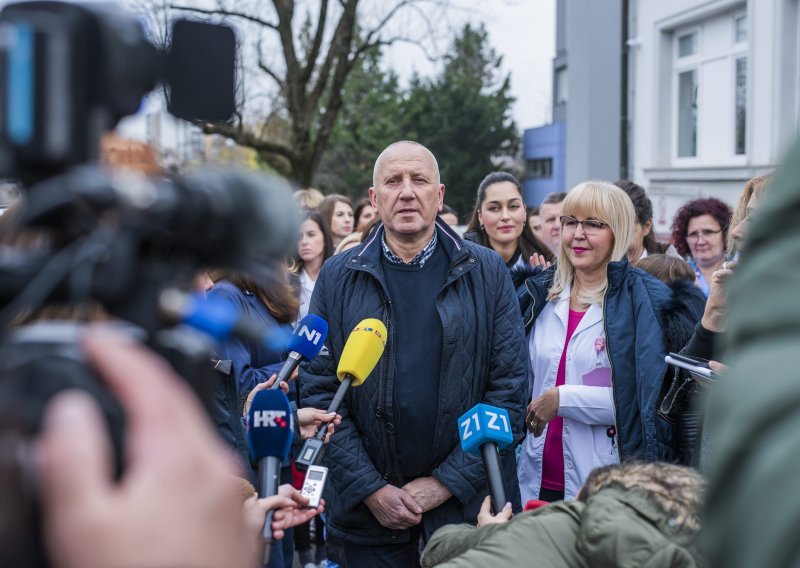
{"x": 361, "y": 353}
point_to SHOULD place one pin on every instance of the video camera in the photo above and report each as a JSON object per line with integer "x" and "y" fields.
{"x": 68, "y": 74}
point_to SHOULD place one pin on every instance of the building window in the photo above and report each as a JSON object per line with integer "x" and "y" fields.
{"x": 561, "y": 86}
{"x": 709, "y": 99}
{"x": 741, "y": 105}
{"x": 687, "y": 45}
{"x": 740, "y": 28}
{"x": 687, "y": 114}
{"x": 539, "y": 168}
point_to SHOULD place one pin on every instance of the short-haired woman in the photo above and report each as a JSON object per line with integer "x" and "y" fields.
{"x": 699, "y": 232}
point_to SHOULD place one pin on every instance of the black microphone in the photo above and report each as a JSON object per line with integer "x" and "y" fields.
{"x": 484, "y": 429}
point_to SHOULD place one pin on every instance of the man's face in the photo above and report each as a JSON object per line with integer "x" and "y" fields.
{"x": 406, "y": 192}
{"x": 551, "y": 226}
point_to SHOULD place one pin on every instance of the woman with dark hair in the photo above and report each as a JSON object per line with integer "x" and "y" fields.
{"x": 337, "y": 212}
{"x": 364, "y": 214}
{"x": 313, "y": 248}
{"x": 699, "y": 232}
{"x": 499, "y": 222}
{"x": 644, "y": 241}
{"x": 267, "y": 299}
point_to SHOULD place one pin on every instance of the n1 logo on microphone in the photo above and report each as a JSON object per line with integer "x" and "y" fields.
{"x": 482, "y": 424}
{"x": 269, "y": 419}
{"x": 311, "y": 334}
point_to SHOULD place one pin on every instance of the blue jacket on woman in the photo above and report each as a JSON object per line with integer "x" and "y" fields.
{"x": 644, "y": 319}
{"x": 252, "y": 362}
{"x": 483, "y": 360}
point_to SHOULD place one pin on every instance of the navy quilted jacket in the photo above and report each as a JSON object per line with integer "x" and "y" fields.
{"x": 484, "y": 359}
{"x": 644, "y": 319}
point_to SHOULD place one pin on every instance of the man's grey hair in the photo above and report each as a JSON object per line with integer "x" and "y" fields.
{"x": 390, "y": 147}
{"x": 555, "y": 197}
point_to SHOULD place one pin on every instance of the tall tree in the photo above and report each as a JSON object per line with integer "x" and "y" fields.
{"x": 310, "y": 67}
{"x": 464, "y": 116}
{"x": 370, "y": 119}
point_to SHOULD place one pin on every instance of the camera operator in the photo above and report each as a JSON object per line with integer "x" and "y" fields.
{"x": 176, "y": 503}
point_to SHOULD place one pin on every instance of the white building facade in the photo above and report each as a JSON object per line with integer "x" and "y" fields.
{"x": 713, "y": 96}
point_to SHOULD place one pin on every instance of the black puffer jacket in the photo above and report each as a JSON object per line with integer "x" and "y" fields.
{"x": 484, "y": 359}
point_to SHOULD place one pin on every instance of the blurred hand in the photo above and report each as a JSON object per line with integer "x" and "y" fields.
{"x": 178, "y": 502}
{"x": 718, "y": 367}
{"x": 263, "y": 386}
{"x": 541, "y": 411}
{"x": 428, "y": 492}
{"x": 394, "y": 508}
{"x": 717, "y": 305}
{"x": 485, "y": 516}
{"x": 311, "y": 418}
{"x": 540, "y": 260}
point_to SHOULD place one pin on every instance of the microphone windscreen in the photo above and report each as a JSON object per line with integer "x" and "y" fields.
{"x": 308, "y": 337}
{"x": 364, "y": 347}
{"x": 481, "y": 424}
{"x": 269, "y": 426}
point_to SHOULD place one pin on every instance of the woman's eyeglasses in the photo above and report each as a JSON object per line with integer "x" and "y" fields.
{"x": 694, "y": 236}
{"x": 590, "y": 226}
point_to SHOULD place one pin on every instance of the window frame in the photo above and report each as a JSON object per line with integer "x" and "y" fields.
{"x": 681, "y": 65}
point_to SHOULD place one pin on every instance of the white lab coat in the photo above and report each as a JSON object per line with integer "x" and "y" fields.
{"x": 588, "y": 411}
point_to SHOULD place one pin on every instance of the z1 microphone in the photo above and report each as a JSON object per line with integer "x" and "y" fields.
{"x": 364, "y": 347}
{"x": 305, "y": 342}
{"x": 269, "y": 439}
{"x": 483, "y": 429}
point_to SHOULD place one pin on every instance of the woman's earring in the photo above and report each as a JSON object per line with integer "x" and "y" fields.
{"x": 482, "y": 229}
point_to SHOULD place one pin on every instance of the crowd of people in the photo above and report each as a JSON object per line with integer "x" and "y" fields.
{"x": 570, "y": 337}
{"x": 561, "y": 313}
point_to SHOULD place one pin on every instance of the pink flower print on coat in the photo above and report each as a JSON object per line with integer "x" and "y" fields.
{"x": 600, "y": 344}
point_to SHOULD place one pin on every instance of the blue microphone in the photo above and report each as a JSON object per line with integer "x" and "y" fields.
{"x": 305, "y": 342}
{"x": 269, "y": 439}
{"x": 219, "y": 318}
{"x": 483, "y": 429}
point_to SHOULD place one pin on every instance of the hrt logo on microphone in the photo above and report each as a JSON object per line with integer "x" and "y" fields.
{"x": 269, "y": 419}
{"x": 311, "y": 334}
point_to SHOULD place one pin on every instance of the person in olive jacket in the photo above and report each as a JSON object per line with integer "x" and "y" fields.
{"x": 631, "y": 515}
{"x": 455, "y": 338}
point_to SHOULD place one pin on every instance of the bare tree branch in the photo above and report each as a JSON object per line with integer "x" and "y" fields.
{"x": 223, "y": 12}
{"x": 311, "y": 60}
{"x": 243, "y": 137}
{"x": 263, "y": 66}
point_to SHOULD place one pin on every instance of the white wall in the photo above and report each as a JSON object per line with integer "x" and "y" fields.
{"x": 773, "y": 96}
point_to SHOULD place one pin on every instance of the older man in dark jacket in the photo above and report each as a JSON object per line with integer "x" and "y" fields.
{"x": 455, "y": 339}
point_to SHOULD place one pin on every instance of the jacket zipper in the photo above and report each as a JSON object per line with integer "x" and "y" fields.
{"x": 613, "y": 391}
{"x": 383, "y": 398}
{"x": 533, "y": 304}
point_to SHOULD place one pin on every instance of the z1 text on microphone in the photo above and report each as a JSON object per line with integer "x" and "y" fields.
{"x": 361, "y": 353}
{"x": 269, "y": 438}
{"x": 486, "y": 429}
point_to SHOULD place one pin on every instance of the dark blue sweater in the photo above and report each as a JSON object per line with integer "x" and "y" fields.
{"x": 418, "y": 333}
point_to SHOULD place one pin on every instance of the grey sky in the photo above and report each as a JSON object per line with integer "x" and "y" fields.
{"x": 523, "y": 32}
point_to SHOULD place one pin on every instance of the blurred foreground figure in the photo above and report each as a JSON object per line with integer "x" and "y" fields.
{"x": 631, "y": 515}
{"x": 753, "y": 501}
{"x": 178, "y": 502}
